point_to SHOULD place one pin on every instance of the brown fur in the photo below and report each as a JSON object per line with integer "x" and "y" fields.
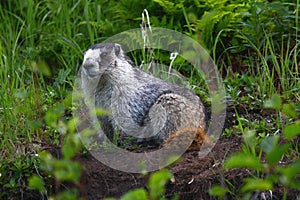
{"x": 179, "y": 139}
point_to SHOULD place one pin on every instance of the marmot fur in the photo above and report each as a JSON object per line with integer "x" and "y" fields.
{"x": 141, "y": 105}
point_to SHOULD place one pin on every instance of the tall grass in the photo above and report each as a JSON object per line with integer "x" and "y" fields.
{"x": 40, "y": 51}
{"x": 275, "y": 68}
{"x": 41, "y": 45}
{"x": 270, "y": 53}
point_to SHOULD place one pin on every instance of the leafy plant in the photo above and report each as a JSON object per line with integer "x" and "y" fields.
{"x": 63, "y": 169}
{"x": 41, "y": 49}
{"x": 156, "y": 188}
{"x": 265, "y": 157}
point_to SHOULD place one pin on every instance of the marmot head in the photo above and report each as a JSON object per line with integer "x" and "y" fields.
{"x": 99, "y": 58}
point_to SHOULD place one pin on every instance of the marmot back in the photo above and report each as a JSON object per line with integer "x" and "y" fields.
{"x": 142, "y": 105}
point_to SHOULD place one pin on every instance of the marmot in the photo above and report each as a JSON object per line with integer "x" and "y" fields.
{"x": 141, "y": 105}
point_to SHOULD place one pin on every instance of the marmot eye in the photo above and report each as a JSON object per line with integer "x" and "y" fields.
{"x": 104, "y": 54}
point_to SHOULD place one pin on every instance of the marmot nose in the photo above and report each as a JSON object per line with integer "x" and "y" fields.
{"x": 89, "y": 63}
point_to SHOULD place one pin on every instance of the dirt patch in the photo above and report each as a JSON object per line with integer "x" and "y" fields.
{"x": 194, "y": 176}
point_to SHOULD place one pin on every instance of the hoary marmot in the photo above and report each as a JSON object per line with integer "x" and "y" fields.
{"x": 141, "y": 105}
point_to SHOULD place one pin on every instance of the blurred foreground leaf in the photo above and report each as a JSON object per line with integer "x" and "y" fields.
{"x": 36, "y": 182}
{"x": 254, "y": 184}
{"x": 274, "y": 156}
{"x": 243, "y": 160}
{"x": 292, "y": 130}
{"x": 274, "y": 102}
{"x": 138, "y": 194}
{"x": 218, "y": 191}
{"x": 157, "y": 183}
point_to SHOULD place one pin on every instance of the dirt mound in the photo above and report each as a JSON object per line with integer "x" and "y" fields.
{"x": 194, "y": 176}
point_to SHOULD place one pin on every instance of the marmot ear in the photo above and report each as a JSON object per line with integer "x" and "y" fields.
{"x": 117, "y": 49}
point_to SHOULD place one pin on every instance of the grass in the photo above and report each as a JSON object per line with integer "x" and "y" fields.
{"x": 41, "y": 49}
{"x": 28, "y": 85}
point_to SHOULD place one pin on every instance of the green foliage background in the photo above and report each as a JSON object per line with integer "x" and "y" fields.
{"x": 254, "y": 43}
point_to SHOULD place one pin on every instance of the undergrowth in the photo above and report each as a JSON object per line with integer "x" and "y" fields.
{"x": 255, "y": 45}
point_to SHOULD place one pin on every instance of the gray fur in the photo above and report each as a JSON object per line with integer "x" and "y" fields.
{"x": 141, "y": 104}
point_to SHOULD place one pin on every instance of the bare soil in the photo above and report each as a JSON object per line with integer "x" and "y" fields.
{"x": 193, "y": 176}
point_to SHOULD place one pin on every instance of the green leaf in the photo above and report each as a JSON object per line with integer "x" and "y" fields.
{"x": 12, "y": 182}
{"x": 243, "y": 160}
{"x": 65, "y": 170}
{"x": 41, "y": 67}
{"x": 276, "y": 154}
{"x": 250, "y": 139}
{"x": 67, "y": 149}
{"x": 269, "y": 143}
{"x": 35, "y": 182}
{"x": 34, "y": 124}
{"x": 53, "y": 114}
{"x": 137, "y": 194}
{"x": 69, "y": 194}
{"x": 157, "y": 183}
{"x": 20, "y": 93}
{"x": 254, "y": 184}
{"x": 101, "y": 112}
{"x": 289, "y": 172}
{"x": 290, "y": 110}
{"x": 292, "y": 130}
{"x": 61, "y": 77}
{"x": 70, "y": 146}
{"x": 218, "y": 191}
{"x": 274, "y": 102}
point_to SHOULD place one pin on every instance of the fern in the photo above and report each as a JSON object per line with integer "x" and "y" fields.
{"x": 218, "y": 17}
{"x": 169, "y": 6}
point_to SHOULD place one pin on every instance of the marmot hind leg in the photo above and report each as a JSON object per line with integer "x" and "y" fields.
{"x": 180, "y": 139}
